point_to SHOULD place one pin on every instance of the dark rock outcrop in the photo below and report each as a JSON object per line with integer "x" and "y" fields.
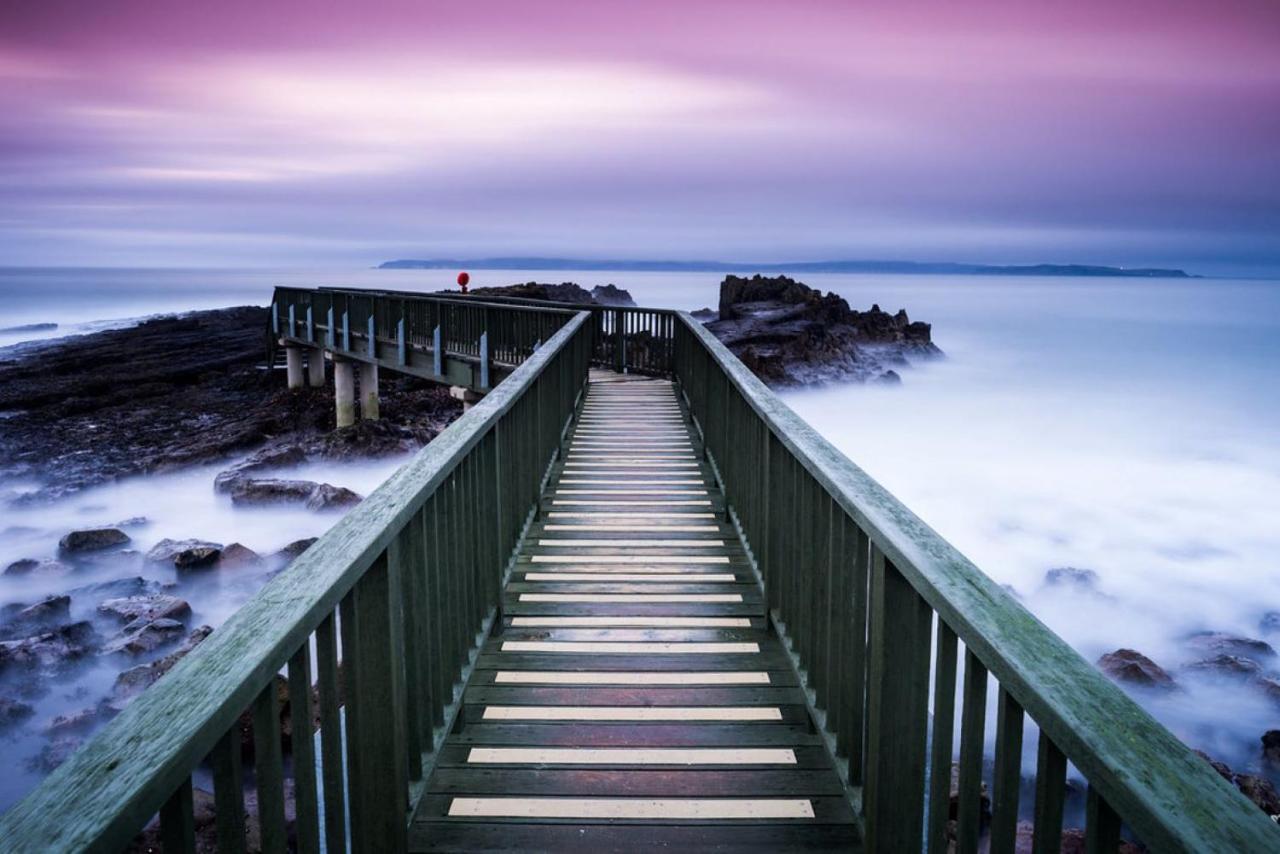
{"x": 1271, "y": 747}
{"x": 38, "y": 567}
{"x": 1131, "y": 667}
{"x": 612, "y": 295}
{"x": 156, "y": 606}
{"x": 315, "y": 496}
{"x": 169, "y": 551}
{"x": 1229, "y": 666}
{"x": 194, "y": 393}
{"x": 42, "y": 616}
{"x": 92, "y": 540}
{"x": 50, "y": 650}
{"x": 238, "y": 555}
{"x": 132, "y": 682}
{"x": 294, "y": 549}
{"x": 1227, "y": 644}
{"x": 54, "y": 753}
{"x": 143, "y": 636}
{"x": 789, "y": 334}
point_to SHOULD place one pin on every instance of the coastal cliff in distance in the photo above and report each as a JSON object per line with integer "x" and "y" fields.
{"x": 890, "y": 267}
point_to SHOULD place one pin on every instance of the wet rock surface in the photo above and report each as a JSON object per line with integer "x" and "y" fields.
{"x": 168, "y": 551}
{"x": 314, "y": 496}
{"x": 1131, "y": 667}
{"x": 156, "y": 606}
{"x": 92, "y": 540}
{"x": 789, "y": 334}
{"x": 195, "y": 392}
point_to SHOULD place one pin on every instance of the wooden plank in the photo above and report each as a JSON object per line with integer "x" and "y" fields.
{"x": 634, "y": 783}
{"x": 572, "y": 838}
{"x": 1102, "y": 825}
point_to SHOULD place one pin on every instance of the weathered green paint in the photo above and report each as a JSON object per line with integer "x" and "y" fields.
{"x": 1167, "y": 796}
{"x": 1007, "y": 779}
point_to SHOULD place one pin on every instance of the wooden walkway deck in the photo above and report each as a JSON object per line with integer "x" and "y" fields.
{"x": 633, "y": 697}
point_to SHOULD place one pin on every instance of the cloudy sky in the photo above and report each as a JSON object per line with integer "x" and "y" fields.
{"x": 156, "y": 132}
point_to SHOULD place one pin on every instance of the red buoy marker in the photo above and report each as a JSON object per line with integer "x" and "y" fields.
{"x": 463, "y": 280}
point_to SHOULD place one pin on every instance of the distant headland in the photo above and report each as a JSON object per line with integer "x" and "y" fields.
{"x": 922, "y": 267}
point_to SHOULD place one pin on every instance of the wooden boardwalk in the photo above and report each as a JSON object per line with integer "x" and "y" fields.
{"x": 633, "y": 696}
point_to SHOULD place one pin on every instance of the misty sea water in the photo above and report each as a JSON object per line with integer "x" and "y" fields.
{"x": 1126, "y": 426}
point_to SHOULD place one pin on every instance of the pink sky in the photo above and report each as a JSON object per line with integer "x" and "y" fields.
{"x": 291, "y": 133}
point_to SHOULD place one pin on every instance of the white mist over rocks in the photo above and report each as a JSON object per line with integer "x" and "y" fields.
{"x": 1127, "y": 427}
{"x": 1130, "y": 429}
{"x": 178, "y": 506}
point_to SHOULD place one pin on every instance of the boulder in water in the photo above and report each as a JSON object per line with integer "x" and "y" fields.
{"x": 294, "y": 549}
{"x": 42, "y": 616}
{"x": 92, "y": 540}
{"x": 1130, "y": 667}
{"x": 38, "y": 567}
{"x": 237, "y": 555}
{"x": 142, "y": 636}
{"x": 315, "y": 496}
{"x": 1228, "y": 644}
{"x": 132, "y": 682}
{"x": 52, "y": 649}
{"x": 1230, "y": 666}
{"x": 167, "y": 550}
{"x": 274, "y": 457}
{"x": 155, "y": 606}
{"x": 54, "y": 754}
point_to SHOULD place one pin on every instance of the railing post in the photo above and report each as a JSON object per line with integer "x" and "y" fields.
{"x": 437, "y": 355}
{"x": 346, "y": 331}
{"x": 484, "y": 360}
{"x": 401, "y": 348}
{"x": 311, "y": 326}
{"x": 333, "y": 339}
{"x": 373, "y": 340}
{"x": 897, "y": 711}
{"x": 292, "y": 323}
{"x": 275, "y": 318}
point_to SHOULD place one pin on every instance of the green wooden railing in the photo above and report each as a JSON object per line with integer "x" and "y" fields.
{"x": 858, "y": 584}
{"x": 366, "y": 324}
{"x": 403, "y": 586}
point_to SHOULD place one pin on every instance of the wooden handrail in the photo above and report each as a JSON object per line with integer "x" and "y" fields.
{"x": 858, "y": 542}
{"x": 378, "y": 568}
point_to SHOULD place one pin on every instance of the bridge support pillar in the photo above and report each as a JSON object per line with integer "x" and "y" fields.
{"x": 315, "y": 367}
{"x": 468, "y": 397}
{"x": 293, "y": 366}
{"x": 369, "y": 391}
{"x": 344, "y": 392}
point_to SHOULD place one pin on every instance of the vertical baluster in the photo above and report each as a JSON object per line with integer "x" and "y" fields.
{"x": 228, "y": 792}
{"x": 335, "y": 832}
{"x": 177, "y": 821}
{"x": 825, "y": 606}
{"x": 1102, "y": 825}
{"x": 897, "y": 711}
{"x": 1051, "y": 783}
{"x": 437, "y": 613}
{"x": 972, "y": 727}
{"x": 268, "y": 766}
{"x": 853, "y": 724}
{"x": 838, "y": 623}
{"x": 407, "y": 555}
{"x": 1007, "y": 779}
{"x": 375, "y": 729}
{"x": 304, "y": 751}
{"x": 944, "y": 717}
